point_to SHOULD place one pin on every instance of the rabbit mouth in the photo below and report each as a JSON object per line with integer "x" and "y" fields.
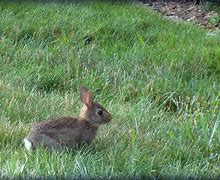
{"x": 107, "y": 122}
{"x": 102, "y": 123}
{"x": 96, "y": 125}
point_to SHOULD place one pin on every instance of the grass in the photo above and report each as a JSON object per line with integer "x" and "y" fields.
{"x": 213, "y": 6}
{"x": 158, "y": 78}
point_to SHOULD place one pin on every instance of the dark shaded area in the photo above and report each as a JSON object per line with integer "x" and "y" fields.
{"x": 68, "y": 1}
{"x": 157, "y": 177}
{"x": 109, "y": 1}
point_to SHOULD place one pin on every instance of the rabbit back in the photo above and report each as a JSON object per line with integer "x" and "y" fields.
{"x": 55, "y": 133}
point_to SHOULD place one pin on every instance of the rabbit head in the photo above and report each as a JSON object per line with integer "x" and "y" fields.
{"x": 93, "y": 112}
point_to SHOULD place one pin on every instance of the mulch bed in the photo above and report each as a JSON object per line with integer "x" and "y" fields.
{"x": 186, "y": 11}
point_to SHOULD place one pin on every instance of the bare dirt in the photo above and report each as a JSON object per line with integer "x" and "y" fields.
{"x": 181, "y": 10}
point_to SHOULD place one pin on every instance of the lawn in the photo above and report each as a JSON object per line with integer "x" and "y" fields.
{"x": 158, "y": 78}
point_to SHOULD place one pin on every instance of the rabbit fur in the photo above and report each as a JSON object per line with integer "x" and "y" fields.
{"x": 69, "y": 131}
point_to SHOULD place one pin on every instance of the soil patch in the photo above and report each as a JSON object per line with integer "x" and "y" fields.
{"x": 186, "y": 11}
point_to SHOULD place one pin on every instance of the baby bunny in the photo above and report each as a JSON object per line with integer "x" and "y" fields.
{"x": 69, "y": 131}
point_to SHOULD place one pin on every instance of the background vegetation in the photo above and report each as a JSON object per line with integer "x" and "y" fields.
{"x": 158, "y": 78}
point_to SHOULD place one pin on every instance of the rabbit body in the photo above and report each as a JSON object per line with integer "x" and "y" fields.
{"x": 69, "y": 131}
{"x": 66, "y": 131}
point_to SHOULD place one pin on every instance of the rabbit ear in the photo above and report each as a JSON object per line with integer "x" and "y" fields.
{"x": 86, "y": 96}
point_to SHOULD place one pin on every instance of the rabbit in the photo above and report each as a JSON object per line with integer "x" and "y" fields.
{"x": 69, "y": 132}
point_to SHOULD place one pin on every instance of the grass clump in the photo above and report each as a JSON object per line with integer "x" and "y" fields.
{"x": 157, "y": 77}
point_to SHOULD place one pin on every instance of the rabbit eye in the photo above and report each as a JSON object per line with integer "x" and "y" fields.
{"x": 100, "y": 111}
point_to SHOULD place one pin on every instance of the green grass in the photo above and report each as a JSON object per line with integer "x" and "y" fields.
{"x": 213, "y": 6}
{"x": 158, "y": 78}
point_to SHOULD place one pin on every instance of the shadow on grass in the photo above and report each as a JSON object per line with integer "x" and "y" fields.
{"x": 70, "y": 1}
{"x": 134, "y": 177}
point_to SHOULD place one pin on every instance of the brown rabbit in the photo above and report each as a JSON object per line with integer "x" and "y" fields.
{"x": 69, "y": 131}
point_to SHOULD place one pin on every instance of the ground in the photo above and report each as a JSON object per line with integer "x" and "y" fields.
{"x": 158, "y": 78}
{"x": 187, "y": 11}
